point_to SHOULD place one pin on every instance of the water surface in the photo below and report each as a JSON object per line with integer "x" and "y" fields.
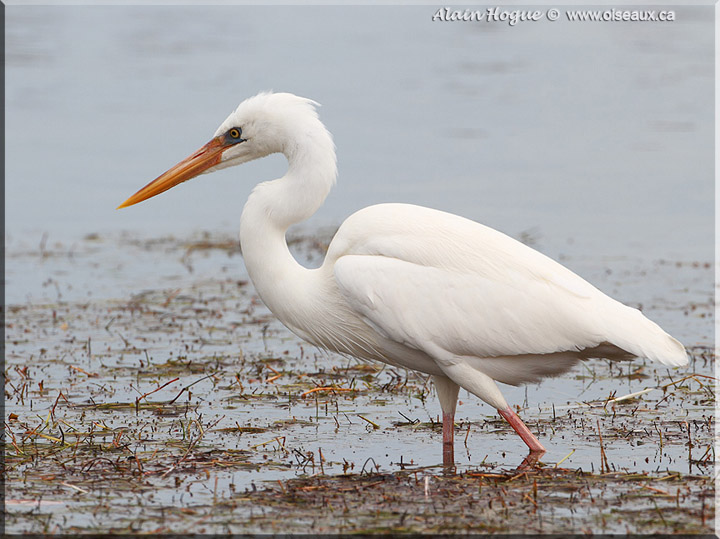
{"x": 596, "y": 137}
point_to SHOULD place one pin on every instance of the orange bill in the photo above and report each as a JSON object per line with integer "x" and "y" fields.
{"x": 206, "y": 157}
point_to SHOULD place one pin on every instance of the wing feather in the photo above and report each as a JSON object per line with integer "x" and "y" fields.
{"x": 462, "y": 313}
{"x": 430, "y": 279}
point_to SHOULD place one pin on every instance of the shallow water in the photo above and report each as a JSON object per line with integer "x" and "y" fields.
{"x": 89, "y": 358}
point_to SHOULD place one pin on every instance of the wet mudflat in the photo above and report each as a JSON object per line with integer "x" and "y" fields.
{"x": 149, "y": 390}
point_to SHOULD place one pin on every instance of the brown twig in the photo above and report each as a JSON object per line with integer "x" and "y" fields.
{"x": 603, "y": 457}
{"x": 324, "y": 389}
{"x": 52, "y": 410}
{"x": 90, "y": 374}
{"x": 141, "y": 397}
{"x": 188, "y": 387}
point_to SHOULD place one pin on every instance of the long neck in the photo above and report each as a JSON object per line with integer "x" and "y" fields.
{"x": 275, "y": 206}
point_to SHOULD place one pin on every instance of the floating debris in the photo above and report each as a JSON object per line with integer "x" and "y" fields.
{"x": 190, "y": 409}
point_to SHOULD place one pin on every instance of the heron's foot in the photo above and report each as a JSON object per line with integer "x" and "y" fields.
{"x": 530, "y": 462}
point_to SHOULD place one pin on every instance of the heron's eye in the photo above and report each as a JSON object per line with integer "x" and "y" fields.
{"x": 235, "y": 133}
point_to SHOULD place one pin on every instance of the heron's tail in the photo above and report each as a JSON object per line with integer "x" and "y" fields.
{"x": 633, "y": 332}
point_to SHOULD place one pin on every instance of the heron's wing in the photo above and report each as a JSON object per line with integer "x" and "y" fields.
{"x": 445, "y": 312}
{"x": 447, "y": 285}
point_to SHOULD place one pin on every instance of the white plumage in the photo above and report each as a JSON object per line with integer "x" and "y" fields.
{"x": 412, "y": 286}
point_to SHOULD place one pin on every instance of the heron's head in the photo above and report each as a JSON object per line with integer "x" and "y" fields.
{"x": 261, "y": 125}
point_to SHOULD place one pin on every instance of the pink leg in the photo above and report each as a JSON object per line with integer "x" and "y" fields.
{"x": 517, "y": 424}
{"x": 448, "y": 439}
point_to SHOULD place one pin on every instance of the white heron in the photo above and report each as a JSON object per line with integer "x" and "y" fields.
{"x": 411, "y": 286}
